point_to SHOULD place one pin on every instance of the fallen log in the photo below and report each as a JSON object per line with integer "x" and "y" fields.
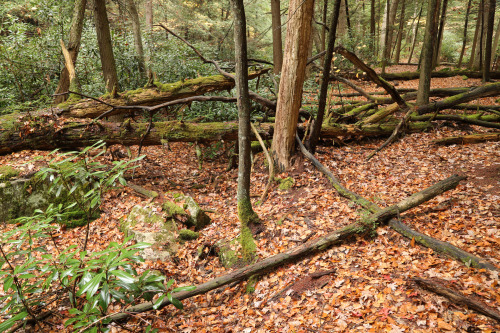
{"x": 48, "y": 132}
{"x": 472, "y": 138}
{"x": 429, "y": 242}
{"x": 490, "y": 89}
{"x": 457, "y": 297}
{"x": 336, "y": 237}
{"x": 416, "y": 75}
{"x": 160, "y": 93}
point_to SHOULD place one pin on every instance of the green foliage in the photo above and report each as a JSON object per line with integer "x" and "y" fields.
{"x": 32, "y": 273}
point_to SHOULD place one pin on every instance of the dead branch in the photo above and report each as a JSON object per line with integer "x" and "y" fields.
{"x": 464, "y": 139}
{"x": 436, "y": 245}
{"x": 336, "y": 237}
{"x": 269, "y": 161}
{"x": 457, "y": 297}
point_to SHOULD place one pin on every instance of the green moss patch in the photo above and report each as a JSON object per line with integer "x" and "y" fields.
{"x": 285, "y": 184}
{"x": 187, "y": 235}
{"x": 8, "y": 172}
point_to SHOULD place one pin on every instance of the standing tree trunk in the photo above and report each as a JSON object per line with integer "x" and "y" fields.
{"x": 489, "y": 41}
{"x": 383, "y": 29}
{"x": 323, "y": 27}
{"x": 424, "y": 84}
{"x": 300, "y": 14}
{"x": 464, "y": 41}
{"x": 136, "y": 28}
{"x": 387, "y": 35}
{"x": 313, "y": 139}
{"x": 437, "y": 49}
{"x": 372, "y": 25}
{"x": 148, "y": 13}
{"x": 245, "y": 211}
{"x": 475, "y": 41}
{"x": 495, "y": 43}
{"x": 415, "y": 34}
{"x": 75, "y": 35}
{"x": 277, "y": 44}
{"x": 105, "y": 46}
{"x": 481, "y": 37}
{"x": 400, "y": 32}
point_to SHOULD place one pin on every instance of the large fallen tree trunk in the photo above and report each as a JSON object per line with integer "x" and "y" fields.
{"x": 313, "y": 246}
{"x": 473, "y": 138}
{"x": 47, "y": 132}
{"x": 416, "y": 75}
{"x": 160, "y": 93}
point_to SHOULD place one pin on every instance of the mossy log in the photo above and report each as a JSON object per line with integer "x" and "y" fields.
{"x": 441, "y": 73}
{"x": 160, "y": 93}
{"x": 313, "y": 246}
{"x": 47, "y": 132}
{"x": 464, "y": 139}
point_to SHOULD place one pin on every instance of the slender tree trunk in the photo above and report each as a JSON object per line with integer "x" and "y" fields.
{"x": 424, "y": 84}
{"x": 400, "y": 32}
{"x": 136, "y": 28}
{"x": 342, "y": 24}
{"x": 392, "y": 21}
{"x": 383, "y": 29}
{"x": 464, "y": 41}
{"x": 313, "y": 140}
{"x": 323, "y": 27}
{"x": 415, "y": 33}
{"x": 437, "y": 50}
{"x": 245, "y": 211}
{"x": 495, "y": 43}
{"x": 481, "y": 37}
{"x": 105, "y": 46}
{"x": 348, "y": 19}
{"x": 372, "y": 25}
{"x": 300, "y": 13}
{"x": 277, "y": 43}
{"x": 75, "y": 35}
{"x": 489, "y": 41}
{"x": 387, "y": 47}
{"x": 148, "y": 13}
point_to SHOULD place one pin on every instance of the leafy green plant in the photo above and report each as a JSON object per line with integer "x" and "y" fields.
{"x": 34, "y": 275}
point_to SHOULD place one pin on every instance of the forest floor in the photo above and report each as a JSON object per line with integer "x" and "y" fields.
{"x": 370, "y": 287}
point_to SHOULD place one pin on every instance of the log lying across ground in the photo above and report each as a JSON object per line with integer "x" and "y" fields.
{"x": 464, "y": 139}
{"x": 48, "y": 132}
{"x": 441, "y": 73}
{"x": 160, "y": 93}
{"x": 338, "y": 236}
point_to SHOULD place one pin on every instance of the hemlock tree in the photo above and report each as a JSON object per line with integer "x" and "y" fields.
{"x": 75, "y": 36}
{"x": 245, "y": 210}
{"x": 298, "y": 33}
{"x": 277, "y": 44}
{"x": 424, "y": 84}
{"x": 105, "y": 46}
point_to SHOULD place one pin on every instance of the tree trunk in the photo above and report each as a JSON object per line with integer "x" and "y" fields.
{"x": 277, "y": 43}
{"x": 424, "y": 84}
{"x": 478, "y": 56}
{"x": 136, "y": 28}
{"x": 372, "y": 26}
{"x": 415, "y": 34}
{"x": 75, "y": 35}
{"x": 323, "y": 27}
{"x": 464, "y": 41}
{"x": 475, "y": 41}
{"x": 292, "y": 78}
{"x": 400, "y": 32}
{"x": 105, "y": 46}
{"x": 489, "y": 41}
{"x": 148, "y": 13}
{"x": 437, "y": 50}
{"x": 384, "y": 38}
{"x": 495, "y": 43}
{"x": 246, "y": 213}
{"x": 313, "y": 140}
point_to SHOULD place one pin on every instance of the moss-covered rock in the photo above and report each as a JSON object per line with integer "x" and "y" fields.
{"x": 147, "y": 224}
{"x": 191, "y": 213}
{"x": 227, "y": 255}
{"x": 285, "y": 184}
{"x": 187, "y": 235}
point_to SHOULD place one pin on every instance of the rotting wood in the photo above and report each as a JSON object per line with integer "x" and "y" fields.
{"x": 465, "y": 139}
{"x": 457, "y": 297}
{"x": 299, "y": 252}
{"x": 436, "y": 245}
{"x": 161, "y": 93}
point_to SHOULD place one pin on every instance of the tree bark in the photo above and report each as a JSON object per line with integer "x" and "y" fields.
{"x": 75, "y": 35}
{"x": 415, "y": 34}
{"x": 424, "y": 84}
{"x": 105, "y": 46}
{"x": 136, "y": 29}
{"x": 466, "y": 139}
{"x": 290, "y": 92}
{"x": 475, "y": 40}
{"x": 246, "y": 213}
{"x": 489, "y": 41}
{"x": 313, "y": 140}
{"x": 277, "y": 43}
{"x": 386, "y": 50}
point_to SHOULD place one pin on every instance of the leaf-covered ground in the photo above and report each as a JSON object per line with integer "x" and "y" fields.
{"x": 368, "y": 285}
